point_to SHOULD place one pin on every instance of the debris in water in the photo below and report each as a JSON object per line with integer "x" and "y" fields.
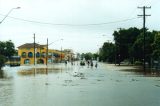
{"x": 118, "y": 81}
{"x": 157, "y": 85}
{"x": 134, "y": 80}
{"x": 46, "y": 83}
{"x": 67, "y": 81}
{"x": 99, "y": 80}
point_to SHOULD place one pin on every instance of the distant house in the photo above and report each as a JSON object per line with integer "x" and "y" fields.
{"x": 26, "y": 52}
{"x": 69, "y": 55}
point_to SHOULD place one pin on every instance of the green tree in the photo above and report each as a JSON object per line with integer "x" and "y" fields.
{"x": 138, "y": 46}
{"x": 124, "y": 40}
{"x": 89, "y": 56}
{"x": 2, "y": 61}
{"x": 7, "y": 49}
{"x": 156, "y": 46}
{"x": 107, "y": 52}
{"x": 2, "y": 48}
{"x": 95, "y": 56}
{"x": 129, "y": 45}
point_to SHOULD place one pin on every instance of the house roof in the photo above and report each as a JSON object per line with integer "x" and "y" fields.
{"x": 30, "y": 45}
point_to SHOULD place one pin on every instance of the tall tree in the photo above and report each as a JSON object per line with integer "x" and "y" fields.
{"x": 2, "y": 61}
{"x": 156, "y": 46}
{"x": 124, "y": 39}
{"x": 89, "y": 56}
{"x": 7, "y": 50}
{"x": 138, "y": 46}
{"x": 107, "y": 52}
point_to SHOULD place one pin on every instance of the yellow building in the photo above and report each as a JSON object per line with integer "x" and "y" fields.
{"x": 27, "y": 51}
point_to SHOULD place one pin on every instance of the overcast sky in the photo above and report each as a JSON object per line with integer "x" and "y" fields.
{"x": 78, "y": 22}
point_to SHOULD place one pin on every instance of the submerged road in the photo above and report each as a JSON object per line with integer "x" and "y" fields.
{"x": 74, "y": 85}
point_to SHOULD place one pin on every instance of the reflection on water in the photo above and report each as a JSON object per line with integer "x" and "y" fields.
{"x": 6, "y": 89}
{"x": 1, "y": 74}
{"x": 4, "y": 75}
{"x": 77, "y": 86}
{"x": 148, "y": 73}
{"x": 39, "y": 71}
{"x": 43, "y": 70}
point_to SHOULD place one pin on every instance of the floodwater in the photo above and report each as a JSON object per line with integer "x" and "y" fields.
{"x": 74, "y": 85}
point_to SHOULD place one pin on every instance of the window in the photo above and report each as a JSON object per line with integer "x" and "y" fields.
{"x": 40, "y": 61}
{"x": 30, "y": 54}
{"x": 37, "y": 54}
{"x": 26, "y": 61}
{"x": 24, "y": 54}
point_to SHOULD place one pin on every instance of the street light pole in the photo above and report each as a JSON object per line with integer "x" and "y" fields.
{"x": 54, "y": 41}
{"x": 115, "y": 53}
{"x": 9, "y": 13}
{"x": 61, "y": 50}
{"x": 61, "y": 54}
{"x": 47, "y": 53}
{"x": 47, "y": 49}
{"x": 34, "y": 49}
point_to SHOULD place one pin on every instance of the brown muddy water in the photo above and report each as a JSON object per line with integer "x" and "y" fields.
{"x": 60, "y": 85}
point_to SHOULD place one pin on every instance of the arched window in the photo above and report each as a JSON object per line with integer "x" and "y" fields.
{"x": 30, "y": 54}
{"x": 24, "y": 54}
{"x": 40, "y": 61}
{"x": 26, "y": 61}
{"x": 37, "y": 54}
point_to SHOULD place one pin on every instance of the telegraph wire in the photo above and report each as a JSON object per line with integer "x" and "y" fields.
{"x": 135, "y": 9}
{"x": 58, "y": 24}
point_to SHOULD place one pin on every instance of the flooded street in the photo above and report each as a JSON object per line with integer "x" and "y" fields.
{"x": 61, "y": 85}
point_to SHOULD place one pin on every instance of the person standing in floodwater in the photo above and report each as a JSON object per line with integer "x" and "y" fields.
{"x": 65, "y": 62}
{"x": 88, "y": 63}
{"x": 96, "y": 65}
{"x": 91, "y": 63}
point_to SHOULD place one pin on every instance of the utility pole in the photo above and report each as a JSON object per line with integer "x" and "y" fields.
{"x": 47, "y": 53}
{"x": 119, "y": 50}
{"x": 144, "y": 32}
{"x": 34, "y": 49}
{"x": 61, "y": 54}
{"x": 115, "y": 54}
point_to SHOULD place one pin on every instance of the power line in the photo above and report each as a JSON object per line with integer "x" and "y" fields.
{"x": 135, "y": 9}
{"x": 58, "y": 24}
{"x": 34, "y": 50}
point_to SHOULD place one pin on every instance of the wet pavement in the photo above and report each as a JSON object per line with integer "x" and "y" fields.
{"x": 74, "y": 85}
